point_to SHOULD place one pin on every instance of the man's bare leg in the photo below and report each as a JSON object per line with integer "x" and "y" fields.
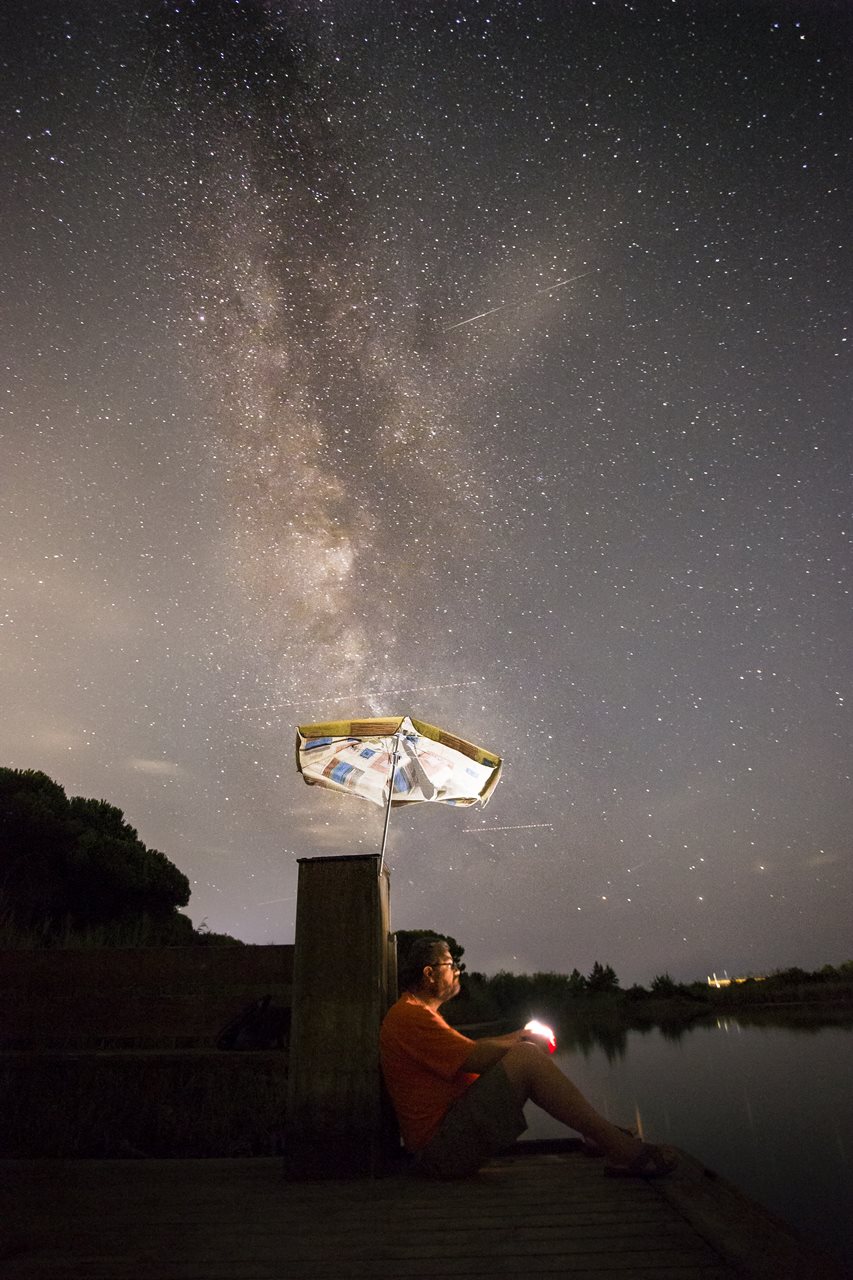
{"x": 536, "y": 1077}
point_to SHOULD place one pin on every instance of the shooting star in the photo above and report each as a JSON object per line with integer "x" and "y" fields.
{"x": 519, "y": 302}
{"x": 484, "y": 831}
{"x": 366, "y": 693}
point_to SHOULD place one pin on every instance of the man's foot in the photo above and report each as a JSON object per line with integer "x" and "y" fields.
{"x": 590, "y": 1148}
{"x": 649, "y": 1162}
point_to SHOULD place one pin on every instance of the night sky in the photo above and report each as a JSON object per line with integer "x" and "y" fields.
{"x": 487, "y": 362}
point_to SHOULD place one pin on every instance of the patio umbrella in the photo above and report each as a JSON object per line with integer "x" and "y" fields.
{"x": 426, "y": 763}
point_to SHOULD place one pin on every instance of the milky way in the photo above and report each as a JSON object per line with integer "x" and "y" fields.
{"x": 488, "y": 363}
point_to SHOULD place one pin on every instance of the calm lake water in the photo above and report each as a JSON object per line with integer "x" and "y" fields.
{"x": 769, "y": 1108}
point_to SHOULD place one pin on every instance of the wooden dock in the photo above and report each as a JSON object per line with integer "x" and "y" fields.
{"x": 549, "y": 1212}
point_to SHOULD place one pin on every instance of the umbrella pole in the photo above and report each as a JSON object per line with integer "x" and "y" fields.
{"x": 394, "y": 756}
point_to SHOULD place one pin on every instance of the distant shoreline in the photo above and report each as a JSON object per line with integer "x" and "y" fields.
{"x": 808, "y": 1002}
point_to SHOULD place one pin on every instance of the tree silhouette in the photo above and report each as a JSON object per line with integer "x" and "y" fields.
{"x": 601, "y": 978}
{"x": 663, "y": 985}
{"x": 577, "y": 982}
{"x": 76, "y": 864}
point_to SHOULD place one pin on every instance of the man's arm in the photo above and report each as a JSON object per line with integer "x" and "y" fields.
{"x": 485, "y": 1053}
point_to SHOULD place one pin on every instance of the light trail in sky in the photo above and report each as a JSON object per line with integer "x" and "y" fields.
{"x": 526, "y": 826}
{"x": 519, "y": 301}
{"x": 369, "y": 693}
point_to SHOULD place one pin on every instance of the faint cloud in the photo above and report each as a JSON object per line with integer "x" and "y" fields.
{"x": 57, "y": 739}
{"x": 328, "y": 820}
{"x": 822, "y": 859}
{"x": 332, "y": 838}
{"x": 161, "y": 767}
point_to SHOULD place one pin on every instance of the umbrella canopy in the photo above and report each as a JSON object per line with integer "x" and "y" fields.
{"x": 429, "y": 764}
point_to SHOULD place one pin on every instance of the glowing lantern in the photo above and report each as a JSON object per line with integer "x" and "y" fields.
{"x": 540, "y": 1029}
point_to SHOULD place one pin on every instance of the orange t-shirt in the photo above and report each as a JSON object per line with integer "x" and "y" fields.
{"x": 421, "y": 1060}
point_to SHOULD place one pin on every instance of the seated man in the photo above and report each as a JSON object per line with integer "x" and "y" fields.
{"x": 459, "y": 1101}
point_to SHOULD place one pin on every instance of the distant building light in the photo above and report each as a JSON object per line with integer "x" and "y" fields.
{"x": 714, "y": 981}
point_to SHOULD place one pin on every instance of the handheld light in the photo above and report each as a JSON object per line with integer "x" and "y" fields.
{"x": 540, "y": 1029}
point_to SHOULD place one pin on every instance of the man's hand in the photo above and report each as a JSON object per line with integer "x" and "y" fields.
{"x": 484, "y": 1053}
{"x": 539, "y": 1038}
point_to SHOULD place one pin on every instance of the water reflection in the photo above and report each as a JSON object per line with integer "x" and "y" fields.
{"x": 581, "y": 1035}
{"x": 763, "y": 1100}
{"x": 807, "y": 1019}
{"x": 584, "y": 1032}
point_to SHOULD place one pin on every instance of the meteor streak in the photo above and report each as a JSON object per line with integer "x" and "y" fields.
{"x": 527, "y": 826}
{"x": 369, "y": 693}
{"x": 520, "y": 301}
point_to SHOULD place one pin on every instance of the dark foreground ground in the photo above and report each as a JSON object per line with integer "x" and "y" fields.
{"x": 549, "y": 1213}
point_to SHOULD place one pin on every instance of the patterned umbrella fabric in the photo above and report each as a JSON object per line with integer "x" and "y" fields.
{"x": 356, "y": 756}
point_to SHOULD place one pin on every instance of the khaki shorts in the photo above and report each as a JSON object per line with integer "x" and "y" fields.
{"x": 484, "y": 1120}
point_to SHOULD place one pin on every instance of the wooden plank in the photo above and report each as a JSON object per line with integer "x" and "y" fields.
{"x": 195, "y": 1220}
{"x": 238, "y": 1220}
{"x": 195, "y": 1103}
{"x": 153, "y": 969}
{"x": 748, "y": 1235}
{"x": 55, "y": 998}
{"x": 239, "y": 1268}
{"x": 79, "y": 1020}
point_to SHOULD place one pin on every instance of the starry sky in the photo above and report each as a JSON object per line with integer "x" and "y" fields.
{"x": 486, "y": 361}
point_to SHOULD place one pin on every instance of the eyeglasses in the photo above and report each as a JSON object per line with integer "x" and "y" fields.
{"x": 444, "y": 963}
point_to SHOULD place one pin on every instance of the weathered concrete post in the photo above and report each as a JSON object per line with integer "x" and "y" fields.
{"x": 343, "y": 971}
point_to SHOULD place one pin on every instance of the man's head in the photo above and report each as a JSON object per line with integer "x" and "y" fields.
{"x": 429, "y": 969}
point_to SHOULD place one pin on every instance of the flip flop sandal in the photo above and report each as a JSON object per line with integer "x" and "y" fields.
{"x": 649, "y": 1162}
